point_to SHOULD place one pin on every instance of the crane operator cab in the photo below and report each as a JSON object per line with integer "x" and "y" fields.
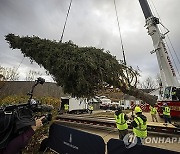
{"x": 172, "y": 93}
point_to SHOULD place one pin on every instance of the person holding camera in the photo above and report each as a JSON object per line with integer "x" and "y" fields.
{"x": 18, "y": 143}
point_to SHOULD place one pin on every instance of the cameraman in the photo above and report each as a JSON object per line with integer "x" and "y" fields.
{"x": 17, "y": 144}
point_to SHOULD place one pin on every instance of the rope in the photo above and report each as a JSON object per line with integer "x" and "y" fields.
{"x": 120, "y": 33}
{"x": 172, "y": 58}
{"x": 173, "y": 49}
{"x": 66, "y": 21}
{"x": 16, "y": 69}
{"x": 20, "y": 64}
{"x": 120, "y": 36}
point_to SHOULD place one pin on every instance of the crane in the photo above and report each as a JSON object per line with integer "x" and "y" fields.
{"x": 169, "y": 82}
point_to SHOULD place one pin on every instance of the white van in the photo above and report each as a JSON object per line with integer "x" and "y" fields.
{"x": 76, "y": 105}
{"x": 105, "y": 103}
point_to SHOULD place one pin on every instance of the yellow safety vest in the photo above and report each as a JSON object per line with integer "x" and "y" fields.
{"x": 153, "y": 110}
{"x": 166, "y": 111}
{"x": 121, "y": 122}
{"x": 91, "y": 108}
{"x": 173, "y": 93}
{"x": 141, "y": 129}
{"x": 66, "y": 107}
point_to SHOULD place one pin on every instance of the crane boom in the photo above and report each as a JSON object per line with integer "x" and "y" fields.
{"x": 145, "y": 8}
{"x": 167, "y": 72}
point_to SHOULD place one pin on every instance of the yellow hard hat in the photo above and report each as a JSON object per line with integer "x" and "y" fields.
{"x": 137, "y": 109}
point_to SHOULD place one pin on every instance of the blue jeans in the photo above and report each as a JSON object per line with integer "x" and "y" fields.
{"x": 139, "y": 142}
{"x": 167, "y": 119}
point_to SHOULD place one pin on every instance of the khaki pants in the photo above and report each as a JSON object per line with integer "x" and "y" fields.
{"x": 154, "y": 117}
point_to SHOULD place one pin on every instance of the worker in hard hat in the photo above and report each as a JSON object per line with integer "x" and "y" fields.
{"x": 139, "y": 125}
{"x": 153, "y": 112}
{"x": 66, "y": 108}
{"x": 90, "y": 108}
{"x": 166, "y": 113}
{"x": 121, "y": 122}
{"x": 173, "y": 93}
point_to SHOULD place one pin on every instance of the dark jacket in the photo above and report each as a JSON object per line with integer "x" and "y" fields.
{"x": 18, "y": 143}
{"x": 134, "y": 124}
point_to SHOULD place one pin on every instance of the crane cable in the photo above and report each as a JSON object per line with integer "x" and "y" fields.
{"x": 60, "y": 40}
{"x": 172, "y": 55}
{"x": 168, "y": 40}
{"x": 124, "y": 58}
{"x": 66, "y": 21}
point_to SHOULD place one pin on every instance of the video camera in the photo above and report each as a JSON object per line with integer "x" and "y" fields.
{"x": 16, "y": 118}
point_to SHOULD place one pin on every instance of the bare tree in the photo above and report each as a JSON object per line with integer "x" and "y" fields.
{"x": 9, "y": 74}
{"x": 1, "y": 81}
{"x": 32, "y": 75}
{"x": 149, "y": 83}
{"x": 158, "y": 80}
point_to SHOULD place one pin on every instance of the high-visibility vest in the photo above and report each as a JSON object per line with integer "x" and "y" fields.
{"x": 91, "y": 107}
{"x": 141, "y": 129}
{"x": 166, "y": 111}
{"x": 121, "y": 122}
{"x": 153, "y": 110}
{"x": 173, "y": 93}
{"x": 66, "y": 107}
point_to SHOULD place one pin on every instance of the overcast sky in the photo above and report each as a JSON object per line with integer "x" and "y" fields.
{"x": 90, "y": 23}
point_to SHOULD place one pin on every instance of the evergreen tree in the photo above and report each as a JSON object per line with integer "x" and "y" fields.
{"x": 81, "y": 71}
